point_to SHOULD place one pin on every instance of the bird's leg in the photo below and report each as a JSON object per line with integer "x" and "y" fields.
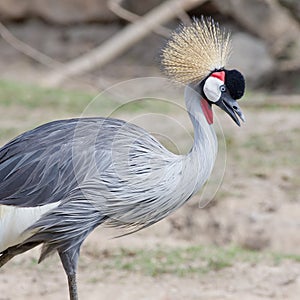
{"x": 69, "y": 261}
{"x": 72, "y": 286}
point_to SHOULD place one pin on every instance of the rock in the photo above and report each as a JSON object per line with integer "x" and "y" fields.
{"x": 13, "y": 9}
{"x": 271, "y": 22}
{"x": 293, "y": 6}
{"x": 69, "y": 11}
{"x": 63, "y": 45}
{"x": 140, "y": 7}
{"x": 58, "y": 11}
{"x": 251, "y": 57}
{"x": 254, "y": 239}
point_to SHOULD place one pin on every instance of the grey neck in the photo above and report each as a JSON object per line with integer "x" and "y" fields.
{"x": 203, "y": 153}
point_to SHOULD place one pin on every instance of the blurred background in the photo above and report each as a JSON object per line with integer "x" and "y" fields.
{"x": 57, "y": 56}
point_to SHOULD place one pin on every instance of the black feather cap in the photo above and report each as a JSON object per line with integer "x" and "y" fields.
{"x": 235, "y": 82}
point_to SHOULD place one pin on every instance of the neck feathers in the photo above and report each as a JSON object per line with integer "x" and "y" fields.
{"x": 203, "y": 153}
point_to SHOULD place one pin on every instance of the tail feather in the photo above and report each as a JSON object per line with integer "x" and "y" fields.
{"x": 11, "y": 252}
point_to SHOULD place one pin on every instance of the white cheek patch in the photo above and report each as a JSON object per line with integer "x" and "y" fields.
{"x": 211, "y": 88}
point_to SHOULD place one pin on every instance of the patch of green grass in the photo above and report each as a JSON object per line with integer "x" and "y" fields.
{"x": 273, "y": 150}
{"x": 187, "y": 261}
{"x": 279, "y": 257}
{"x": 8, "y": 132}
{"x": 259, "y": 143}
{"x": 254, "y": 99}
{"x": 32, "y": 96}
{"x": 262, "y": 155}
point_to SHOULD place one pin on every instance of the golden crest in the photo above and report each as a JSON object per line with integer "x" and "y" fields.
{"x": 195, "y": 50}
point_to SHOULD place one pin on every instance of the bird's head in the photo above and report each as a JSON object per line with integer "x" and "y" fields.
{"x": 223, "y": 88}
{"x": 196, "y": 55}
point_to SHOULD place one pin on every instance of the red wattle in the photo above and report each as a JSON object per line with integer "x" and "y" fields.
{"x": 220, "y": 75}
{"x": 207, "y": 110}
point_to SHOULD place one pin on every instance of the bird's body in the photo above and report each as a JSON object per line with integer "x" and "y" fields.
{"x": 123, "y": 174}
{"x": 61, "y": 180}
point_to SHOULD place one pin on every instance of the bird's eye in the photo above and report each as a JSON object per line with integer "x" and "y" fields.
{"x": 222, "y": 88}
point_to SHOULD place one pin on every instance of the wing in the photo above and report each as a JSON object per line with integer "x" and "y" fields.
{"x": 46, "y": 164}
{"x": 118, "y": 167}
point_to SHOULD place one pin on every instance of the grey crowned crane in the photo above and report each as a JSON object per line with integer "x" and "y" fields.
{"x": 61, "y": 180}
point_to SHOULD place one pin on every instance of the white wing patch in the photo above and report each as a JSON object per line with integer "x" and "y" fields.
{"x": 15, "y": 220}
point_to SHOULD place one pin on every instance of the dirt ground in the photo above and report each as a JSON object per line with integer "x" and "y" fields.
{"x": 256, "y": 207}
{"x": 242, "y": 281}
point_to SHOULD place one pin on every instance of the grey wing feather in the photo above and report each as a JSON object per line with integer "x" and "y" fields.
{"x": 37, "y": 167}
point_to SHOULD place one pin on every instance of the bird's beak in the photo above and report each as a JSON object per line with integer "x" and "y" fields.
{"x": 230, "y": 106}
